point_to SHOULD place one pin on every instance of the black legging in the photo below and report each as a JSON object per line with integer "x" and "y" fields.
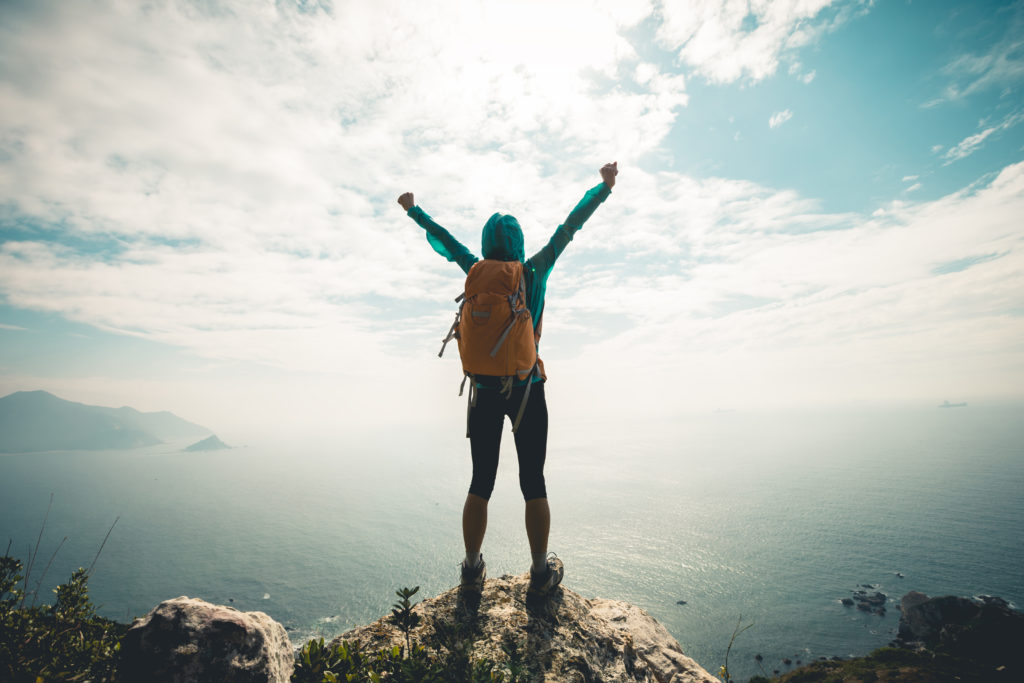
{"x": 486, "y": 420}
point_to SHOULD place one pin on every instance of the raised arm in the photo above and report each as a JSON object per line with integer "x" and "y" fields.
{"x": 439, "y": 238}
{"x": 544, "y": 259}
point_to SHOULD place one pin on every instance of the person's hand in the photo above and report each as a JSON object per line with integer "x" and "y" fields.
{"x": 406, "y": 201}
{"x": 608, "y": 173}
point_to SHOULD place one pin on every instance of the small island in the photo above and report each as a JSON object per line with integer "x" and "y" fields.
{"x": 211, "y": 443}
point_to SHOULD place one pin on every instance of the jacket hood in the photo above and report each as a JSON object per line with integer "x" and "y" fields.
{"x": 503, "y": 239}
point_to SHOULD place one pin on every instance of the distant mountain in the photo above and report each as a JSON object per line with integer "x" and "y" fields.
{"x": 211, "y": 443}
{"x": 165, "y": 425}
{"x": 39, "y": 421}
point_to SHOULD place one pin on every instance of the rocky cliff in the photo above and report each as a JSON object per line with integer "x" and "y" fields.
{"x": 984, "y": 630}
{"x": 564, "y": 638}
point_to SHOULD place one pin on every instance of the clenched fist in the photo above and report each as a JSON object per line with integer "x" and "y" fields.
{"x": 608, "y": 173}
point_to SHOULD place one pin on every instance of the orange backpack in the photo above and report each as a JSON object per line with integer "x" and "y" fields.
{"x": 494, "y": 330}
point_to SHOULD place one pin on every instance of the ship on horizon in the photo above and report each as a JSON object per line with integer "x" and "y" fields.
{"x": 947, "y": 404}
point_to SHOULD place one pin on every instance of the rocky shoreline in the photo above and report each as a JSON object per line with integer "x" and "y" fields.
{"x": 947, "y": 638}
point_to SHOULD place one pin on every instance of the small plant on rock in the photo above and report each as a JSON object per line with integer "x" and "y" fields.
{"x": 723, "y": 672}
{"x": 403, "y": 617}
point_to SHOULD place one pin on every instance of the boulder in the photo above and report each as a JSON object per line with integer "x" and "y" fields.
{"x": 564, "y": 638}
{"x": 188, "y": 640}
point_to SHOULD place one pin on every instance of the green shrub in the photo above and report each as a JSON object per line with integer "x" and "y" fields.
{"x": 69, "y": 642}
{"x": 319, "y": 663}
{"x": 65, "y": 642}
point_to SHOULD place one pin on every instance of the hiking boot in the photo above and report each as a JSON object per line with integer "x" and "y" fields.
{"x": 473, "y": 577}
{"x": 542, "y": 583}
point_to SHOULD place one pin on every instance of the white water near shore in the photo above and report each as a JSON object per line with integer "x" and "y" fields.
{"x": 775, "y": 517}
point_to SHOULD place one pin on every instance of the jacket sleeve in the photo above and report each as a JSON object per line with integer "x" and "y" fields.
{"x": 544, "y": 259}
{"x": 442, "y": 241}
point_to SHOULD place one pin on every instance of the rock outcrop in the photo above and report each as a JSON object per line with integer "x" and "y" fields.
{"x": 940, "y": 639}
{"x": 983, "y": 629}
{"x": 187, "y": 640}
{"x": 565, "y": 638}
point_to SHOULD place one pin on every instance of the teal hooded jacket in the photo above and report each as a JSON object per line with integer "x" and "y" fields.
{"x": 502, "y": 239}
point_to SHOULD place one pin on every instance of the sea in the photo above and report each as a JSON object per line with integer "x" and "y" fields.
{"x": 709, "y": 522}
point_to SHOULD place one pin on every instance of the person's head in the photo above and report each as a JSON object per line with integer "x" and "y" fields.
{"x": 503, "y": 239}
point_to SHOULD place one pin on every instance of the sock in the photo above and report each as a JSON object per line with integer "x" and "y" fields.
{"x": 540, "y": 562}
{"x": 473, "y": 559}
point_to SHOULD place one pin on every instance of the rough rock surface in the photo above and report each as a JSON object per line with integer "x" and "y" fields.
{"x": 564, "y": 638}
{"x": 984, "y": 629}
{"x": 188, "y": 640}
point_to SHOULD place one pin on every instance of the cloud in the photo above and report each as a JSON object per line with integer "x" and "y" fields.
{"x": 222, "y": 177}
{"x": 968, "y": 145}
{"x": 743, "y": 289}
{"x": 779, "y": 118}
{"x": 972, "y": 143}
{"x": 1000, "y": 67}
{"x": 964, "y": 263}
{"x": 795, "y": 69}
{"x": 731, "y": 40}
{"x": 235, "y": 199}
{"x": 857, "y": 303}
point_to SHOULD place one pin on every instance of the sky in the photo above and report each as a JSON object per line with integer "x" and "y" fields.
{"x": 818, "y": 203}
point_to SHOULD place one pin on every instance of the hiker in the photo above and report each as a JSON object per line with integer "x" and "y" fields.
{"x": 519, "y": 397}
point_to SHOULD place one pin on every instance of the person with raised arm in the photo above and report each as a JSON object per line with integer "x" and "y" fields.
{"x": 520, "y": 397}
